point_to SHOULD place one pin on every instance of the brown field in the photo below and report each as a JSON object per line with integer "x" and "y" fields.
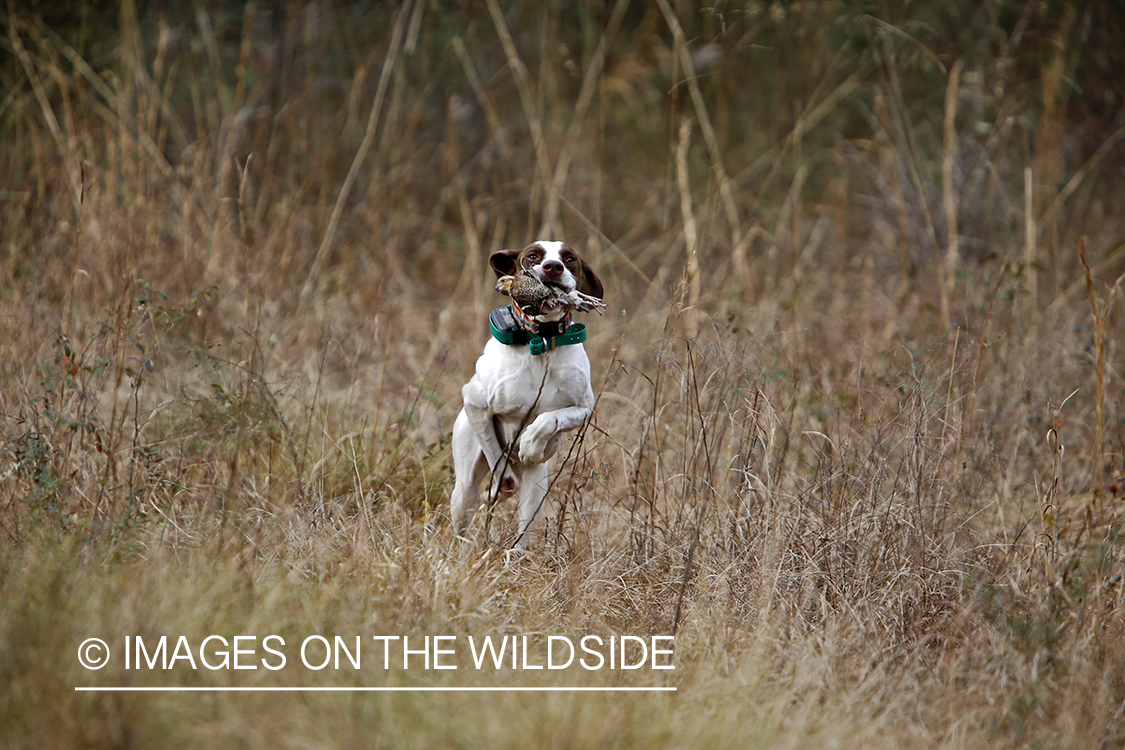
{"x": 859, "y": 443}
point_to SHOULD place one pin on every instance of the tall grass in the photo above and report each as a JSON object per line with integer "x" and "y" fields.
{"x": 858, "y": 441}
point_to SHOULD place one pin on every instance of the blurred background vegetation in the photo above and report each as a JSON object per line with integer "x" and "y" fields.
{"x": 846, "y": 102}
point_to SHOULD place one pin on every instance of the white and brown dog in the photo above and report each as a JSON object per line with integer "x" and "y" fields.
{"x": 524, "y": 396}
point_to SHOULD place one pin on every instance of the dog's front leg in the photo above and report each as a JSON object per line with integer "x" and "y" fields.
{"x": 537, "y": 444}
{"x": 501, "y": 477}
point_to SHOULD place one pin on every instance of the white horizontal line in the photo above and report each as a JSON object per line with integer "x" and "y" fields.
{"x": 372, "y": 689}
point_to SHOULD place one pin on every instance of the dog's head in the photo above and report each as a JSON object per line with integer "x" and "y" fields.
{"x": 554, "y": 262}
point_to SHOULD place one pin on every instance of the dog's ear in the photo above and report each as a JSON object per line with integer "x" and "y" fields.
{"x": 504, "y": 262}
{"x": 590, "y": 283}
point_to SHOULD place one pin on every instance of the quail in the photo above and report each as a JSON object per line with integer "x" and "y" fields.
{"x": 537, "y": 297}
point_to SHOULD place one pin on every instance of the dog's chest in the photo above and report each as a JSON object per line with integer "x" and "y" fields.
{"x": 515, "y": 383}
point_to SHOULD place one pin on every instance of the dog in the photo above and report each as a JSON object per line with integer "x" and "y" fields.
{"x": 519, "y": 403}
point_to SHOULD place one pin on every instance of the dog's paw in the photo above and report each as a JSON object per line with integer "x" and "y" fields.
{"x": 538, "y": 442}
{"x": 515, "y": 556}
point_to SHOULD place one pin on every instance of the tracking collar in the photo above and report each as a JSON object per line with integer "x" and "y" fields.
{"x": 513, "y": 327}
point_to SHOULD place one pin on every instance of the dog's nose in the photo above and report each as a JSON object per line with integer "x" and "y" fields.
{"x": 552, "y": 268}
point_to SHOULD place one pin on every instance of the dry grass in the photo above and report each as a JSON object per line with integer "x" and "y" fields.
{"x": 859, "y": 439}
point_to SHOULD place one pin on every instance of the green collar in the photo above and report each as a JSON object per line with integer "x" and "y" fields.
{"x": 504, "y": 330}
